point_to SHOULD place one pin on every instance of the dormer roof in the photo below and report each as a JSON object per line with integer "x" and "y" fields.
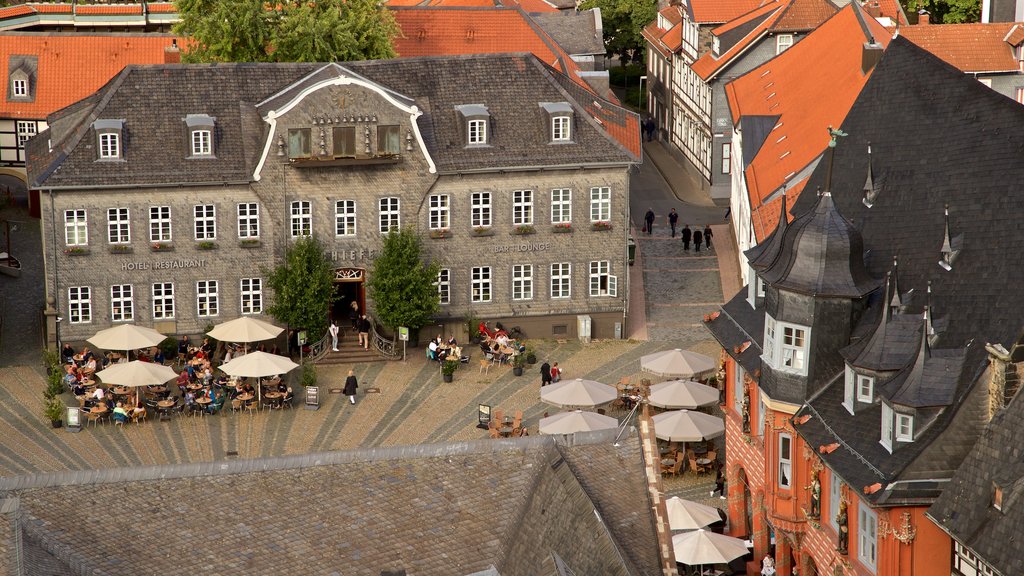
{"x": 932, "y": 380}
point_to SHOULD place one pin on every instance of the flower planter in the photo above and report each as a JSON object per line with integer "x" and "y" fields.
{"x": 161, "y": 248}
{"x": 524, "y": 230}
{"x": 447, "y": 377}
{"x": 76, "y": 251}
{"x": 206, "y": 246}
{"x": 561, "y": 229}
{"x": 121, "y": 250}
{"x": 440, "y": 234}
{"x": 480, "y": 232}
{"x": 601, "y": 226}
{"x": 517, "y": 370}
{"x": 250, "y": 243}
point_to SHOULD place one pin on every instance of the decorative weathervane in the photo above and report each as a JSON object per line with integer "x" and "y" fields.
{"x": 835, "y": 133}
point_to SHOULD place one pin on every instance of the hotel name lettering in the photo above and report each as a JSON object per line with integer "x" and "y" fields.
{"x": 163, "y": 265}
{"x": 356, "y": 254}
{"x": 524, "y": 247}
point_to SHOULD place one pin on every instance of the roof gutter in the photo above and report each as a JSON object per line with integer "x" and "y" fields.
{"x": 539, "y": 168}
{"x": 159, "y": 185}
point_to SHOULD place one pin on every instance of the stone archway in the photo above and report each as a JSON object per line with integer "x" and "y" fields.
{"x": 349, "y": 287}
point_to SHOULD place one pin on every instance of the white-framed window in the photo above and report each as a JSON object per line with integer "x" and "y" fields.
{"x": 602, "y": 282}
{"x": 904, "y": 428}
{"x": 737, "y": 388}
{"x": 248, "y": 220}
{"x": 207, "y": 301}
{"x": 477, "y": 131}
{"x": 835, "y": 494}
{"x": 987, "y": 82}
{"x": 522, "y": 281}
{"x": 118, "y": 226}
{"x": 389, "y": 140}
{"x": 19, "y": 87}
{"x": 76, "y": 227}
{"x": 782, "y": 42}
{"x": 887, "y": 418}
{"x": 794, "y": 348}
{"x": 481, "y": 284}
{"x": 159, "y": 223}
{"x": 560, "y": 129}
{"x": 345, "y": 218}
{"x": 785, "y": 460}
{"x": 561, "y": 280}
{"x": 122, "y": 304}
{"x": 865, "y": 389}
{"x": 205, "y": 221}
{"x": 79, "y": 304}
{"x": 390, "y": 217}
{"x": 726, "y": 158}
{"x": 480, "y": 209}
{"x": 26, "y": 129}
{"x": 600, "y": 204}
{"x": 768, "y": 352}
{"x": 163, "y": 300}
{"x": 440, "y": 211}
{"x": 110, "y": 145}
{"x": 252, "y": 295}
{"x": 561, "y": 205}
{"x": 299, "y": 143}
{"x": 522, "y": 207}
{"x": 867, "y": 535}
{"x": 301, "y": 218}
{"x": 849, "y": 383}
{"x": 444, "y": 286}
{"x": 202, "y": 143}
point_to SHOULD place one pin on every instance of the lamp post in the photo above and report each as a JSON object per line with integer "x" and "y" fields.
{"x": 642, "y": 78}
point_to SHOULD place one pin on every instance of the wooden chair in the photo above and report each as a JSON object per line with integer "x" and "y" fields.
{"x": 677, "y": 468}
{"x": 518, "y": 420}
{"x": 139, "y": 416}
{"x": 693, "y": 465}
{"x": 236, "y": 405}
{"x": 485, "y": 366}
{"x": 499, "y": 416}
{"x": 493, "y": 430}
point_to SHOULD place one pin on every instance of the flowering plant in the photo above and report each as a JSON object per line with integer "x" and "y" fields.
{"x": 601, "y": 225}
{"x": 561, "y": 227}
{"x": 440, "y": 233}
{"x": 525, "y": 229}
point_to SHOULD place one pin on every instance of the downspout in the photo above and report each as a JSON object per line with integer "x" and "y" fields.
{"x": 56, "y": 283}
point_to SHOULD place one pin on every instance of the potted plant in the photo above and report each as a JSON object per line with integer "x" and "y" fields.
{"x": 308, "y": 374}
{"x": 562, "y": 228}
{"x": 53, "y": 410}
{"x": 76, "y": 250}
{"x": 448, "y": 369}
{"x": 439, "y": 233}
{"x": 518, "y": 362}
{"x": 524, "y": 230}
{"x": 249, "y": 243}
{"x": 206, "y": 245}
{"x": 531, "y": 356}
{"x": 483, "y": 231}
{"x": 120, "y": 249}
{"x": 601, "y": 225}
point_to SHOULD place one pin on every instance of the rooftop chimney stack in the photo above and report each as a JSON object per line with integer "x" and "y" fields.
{"x": 873, "y": 9}
{"x": 923, "y": 17}
{"x": 870, "y": 55}
{"x": 172, "y": 54}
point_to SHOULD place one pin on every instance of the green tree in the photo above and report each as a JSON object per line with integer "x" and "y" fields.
{"x": 945, "y": 11}
{"x": 303, "y": 288}
{"x": 402, "y": 286}
{"x": 285, "y": 31}
{"x": 623, "y": 20}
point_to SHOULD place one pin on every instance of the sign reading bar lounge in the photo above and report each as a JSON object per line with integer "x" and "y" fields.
{"x": 162, "y": 265}
{"x": 523, "y": 247}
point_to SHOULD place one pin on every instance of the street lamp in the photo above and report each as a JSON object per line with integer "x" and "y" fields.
{"x": 642, "y": 78}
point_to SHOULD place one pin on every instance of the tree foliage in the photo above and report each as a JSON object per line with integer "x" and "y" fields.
{"x": 403, "y": 287}
{"x": 285, "y": 31}
{"x": 945, "y": 11}
{"x": 623, "y": 21}
{"x": 303, "y": 287}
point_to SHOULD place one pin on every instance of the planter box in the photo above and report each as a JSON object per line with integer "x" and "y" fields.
{"x": 119, "y": 249}
{"x": 77, "y": 251}
{"x": 562, "y": 229}
{"x": 600, "y": 226}
{"x": 206, "y": 246}
{"x": 524, "y": 231}
{"x": 250, "y": 243}
{"x": 483, "y": 232}
{"x": 161, "y": 248}
{"x": 440, "y": 234}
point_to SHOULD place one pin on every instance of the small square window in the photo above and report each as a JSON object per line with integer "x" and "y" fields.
{"x": 865, "y": 388}
{"x": 202, "y": 143}
{"x": 904, "y": 428}
{"x": 997, "y": 497}
{"x": 388, "y": 141}
{"x": 299, "y": 143}
{"x": 478, "y": 131}
{"x": 19, "y": 88}
{"x": 783, "y": 42}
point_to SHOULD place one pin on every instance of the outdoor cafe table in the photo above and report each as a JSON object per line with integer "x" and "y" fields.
{"x": 164, "y": 406}
{"x": 274, "y": 397}
{"x": 121, "y": 390}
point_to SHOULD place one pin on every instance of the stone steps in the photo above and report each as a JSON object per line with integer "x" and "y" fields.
{"x": 350, "y": 353}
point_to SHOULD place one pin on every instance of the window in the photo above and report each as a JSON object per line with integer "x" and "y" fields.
{"x": 440, "y": 216}
{"x": 122, "y": 307}
{"x": 252, "y": 295}
{"x": 481, "y": 284}
{"x": 768, "y": 355}
{"x": 762, "y": 413}
{"x": 163, "y": 301}
{"x": 600, "y": 204}
{"x": 887, "y": 416}
{"x": 522, "y": 282}
{"x": 865, "y": 388}
{"x": 726, "y": 158}
{"x": 159, "y": 223}
{"x": 26, "y": 130}
{"x": 602, "y": 283}
{"x": 782, "y": 42}
{"x": 559, "y": 115}
{"x": 867, "y": 536}
{"x": 202, "y": 143}
{"x": 248, "y": 220}
{"x": 301, "y": 218}
{"x": 849, "y": 383}
{"x": 118, "y": 226}
{"x": 986, "y": 82}
{"x": 19, "y": 87}
{"x": 477, "y": 131}
{"x": 80, "y": 304}
{"x": 835, "y": 492}
{"x": 794, "y": 349}
{"x": 389, "y": 214}
{"x": 206, "y": 298}
{"x": 997, "y": 497}
{"x": 560, "y": 129}
{"x": 785, "y": 460}
{"x": 561, "y": 206}
{"x": 299, "y": 143}
{"x": 388, "y": 141}
{"x": 904, "y": 428}
{"x": 737, "y": 388}
{"x": 110, "y": 145}
{"x": 522, "y": 207}
{"x": 345, "y": 218}
{"x": 76, "y": 229}
{"x": 444, "y": 286}
{"x": 206, "y": 222}
{"x": 561, "y": 280}
{"x": 481, "y": 209}
{"x": 344, "y": 141}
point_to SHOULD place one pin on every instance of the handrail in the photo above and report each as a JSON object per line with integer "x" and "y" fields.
{"x": 320, "y": 348}
{"x": 385, "y": 347}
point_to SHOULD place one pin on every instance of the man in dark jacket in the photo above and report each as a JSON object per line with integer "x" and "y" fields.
{"x": 350, "y": 387}
{"x": 686, "y": 234}
{"x": 673, "y": 217}
{"x": 697, "y": 237}
{"x": 649, "y": 219}
{"x": 545, "y": 374}
{"x": 707, "y": 235}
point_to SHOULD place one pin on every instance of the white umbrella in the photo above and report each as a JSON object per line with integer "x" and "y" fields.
{"x": 135, "y": 374}
{"x": 687, "y": 426}
{"x": 682, "y": 394}
{"x": 701, "y": 547}
{"x": 576, "y": 421}
{"x": 578, "y": 392}
{"x": 687, "y": 515}
{"x": 257, "y": 365}
{"x": 245, "y": 329}
{"x": 678, "y": 362}
{"x": 126, "y": 337}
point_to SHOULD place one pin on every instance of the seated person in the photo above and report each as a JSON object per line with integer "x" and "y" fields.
{"x": 207, "y": 347}
{"x": 70, "y": 377}
{"x": 432, "y": 350}
{"x": 207, "y": 375}
{"x": 78, "y": 389}
{"x": 190, "y": 398}
{"x": 501, "y": 339}
{"x": 99, "y": 394}
{"x": 119, "y": 410}
{"x": 90, "y": 366}
{"x": 183, "y": 345}
{"x": 248, "y": 388}
{"x": 282, "y": 388}
{"x": 228, "y": 356}
{"x": 182, "y": 380}
{"x": 87, "y": 354}
{"x": 453, "y": 342}
{"x": 67, "y": 354}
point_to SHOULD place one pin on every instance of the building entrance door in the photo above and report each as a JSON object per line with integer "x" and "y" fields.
{"x": 349, "y": 288}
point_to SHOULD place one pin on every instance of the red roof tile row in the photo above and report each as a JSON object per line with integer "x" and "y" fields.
{"x": 970, "y": 47}
{"x": 716, "y": 11}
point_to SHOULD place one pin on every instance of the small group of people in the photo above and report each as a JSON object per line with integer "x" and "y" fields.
{"x": 549, "y": 373}
{"x": 361, "y": 324}
{"x": 438, "y": 349}
{"x": 697, "y": 236}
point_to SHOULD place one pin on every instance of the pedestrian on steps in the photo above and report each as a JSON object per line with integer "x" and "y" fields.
{"x": 673, "y": 217}
{"x": 707, "y": 235}
{"x": 686, "y": 234}
{"x": 649, "y": 219}
{"x": 334, "y": 335}
{"x": 697, "y": 237}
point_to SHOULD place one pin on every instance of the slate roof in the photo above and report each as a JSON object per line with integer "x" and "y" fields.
{"x": 505, "y": 83}
{"x": 965, "y": 510}
{"x": 737, "y": 324}
{"x": 969, "y": 47}
{"x": 504, "y": 506}
{"x": 576, "y": 32}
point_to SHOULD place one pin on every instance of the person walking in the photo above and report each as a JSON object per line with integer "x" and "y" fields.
{"x": 353, "y": 314}
{"x": 686, "y": 233}
{"x": 719, "y": 484}
{"x": 556, "y": 373}
{"x": 545, "y": 374}
{"x": 697, "y": 237}
{"x": 649, "y": 219}
{"x": 707, "y": 235}
{"x": 350, "y": 387}
{"x": 334, "y": 335}
{"x": 364, "y": 332}
{"x": 673, "y": 217}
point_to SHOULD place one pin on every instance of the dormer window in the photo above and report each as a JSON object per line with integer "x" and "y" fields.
{"x": 896, "y": 427}
{"x": 904, "y": 428}
{"x": 560, "y": 120}
{"x": 716, "y": 45}
{"x": 560, "y": 129}
{"x": 21, "y": 78}
{"x": 108, "y": 139}
{"x": 997, "y": 497}
{"x": 785, "y": 346}
{"x": 783, "y": 42}
{"x": 865, "y": 389}
{"x": 19, "y": 87}
{"x": 201, "y": 129}
{"x": 475, "y": 120}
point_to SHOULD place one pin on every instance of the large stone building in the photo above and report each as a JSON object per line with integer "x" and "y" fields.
{"x": 170, "y": 193}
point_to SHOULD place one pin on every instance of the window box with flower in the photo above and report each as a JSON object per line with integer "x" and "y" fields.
{"x": 561, "y": 228}
{"x": 250, "y": 243}
{"x": 601, "y": 225}
{"x": 76, "y": 250}
{"x": 483, "y": 231}
{"x": 120, "y": 249}
{"x": 161, "y": 247}
{"x": 440, "y": 233}
{"x": 524, "y": 230}
{"x": 206, "y": 245}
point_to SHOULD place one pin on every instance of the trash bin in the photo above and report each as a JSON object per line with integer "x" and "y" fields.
{"x": 631, "y": 245}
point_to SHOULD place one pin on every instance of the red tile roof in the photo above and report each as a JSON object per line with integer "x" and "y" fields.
{"x": 71, "y": 67}
{"x": 666, "y": 41}
{"x": 1015, "y": 36}
{"x": 87, "y": 9}
{"x": 969, "y": 47}
{"x": 802, "y": 15}
{"x": 809, "y": 87}
{"x": 14, "y": 11}
{"x": 716, "y": 11}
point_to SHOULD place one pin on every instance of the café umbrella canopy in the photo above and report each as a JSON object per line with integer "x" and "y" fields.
{"x": 687, "y": 515}
{"x": 678, "y": 363}
{"x": 701, "y": 547}
{"x": 576, "y": 421}
{"x": 135, "y": 374}
{"x": 126, "y": 337}
{"x": 245, "y": 329}
{"x": 687, "y": 426}
{"x": 258, "y": 365}
{"x": 682, "y": 394}
{"x": 577, "y": 393}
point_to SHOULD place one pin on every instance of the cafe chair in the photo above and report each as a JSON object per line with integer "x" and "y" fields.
{"x": 288, "y": 400}
{"x": 485, "y": 366}
{"x": 138, "y": 417}
{"x": 693, "y": 465}
{"x": 91, "y": 418}
{"x": 493, "y": 430}
{"x": 517, "y": 422}
{"x": 251, "y": 406}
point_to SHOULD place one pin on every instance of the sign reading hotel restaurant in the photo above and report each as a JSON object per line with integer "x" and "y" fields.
{"x": 132, "y": 266}
{"x": 524, "y": 247}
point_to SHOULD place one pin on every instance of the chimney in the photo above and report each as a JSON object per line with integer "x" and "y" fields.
{"x": 873, "y": 9}
{"x": 922, "y": 17}
{"x": 1004, "y": 378}
{"x": 870, "y": 56}
{"x": 172, "y": 55}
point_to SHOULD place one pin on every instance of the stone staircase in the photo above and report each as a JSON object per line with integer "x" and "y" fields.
{"x": 350, "y": 352}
